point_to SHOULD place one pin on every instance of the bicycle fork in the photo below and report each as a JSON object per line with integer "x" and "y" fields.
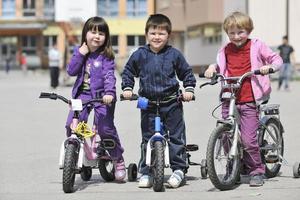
{"x": 157, "y": 137}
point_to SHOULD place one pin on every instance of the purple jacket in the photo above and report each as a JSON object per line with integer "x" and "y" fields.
{"x": 260, "y": 55}
{"x": 102, "y": 78}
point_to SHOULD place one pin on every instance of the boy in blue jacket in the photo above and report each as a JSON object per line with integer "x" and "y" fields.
{"x": 158, "y": 65}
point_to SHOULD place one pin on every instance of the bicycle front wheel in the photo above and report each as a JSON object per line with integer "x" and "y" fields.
{"x": 69, "y": 169}
{"x": 223, "y": 171}
{"x": 158, "y": 166}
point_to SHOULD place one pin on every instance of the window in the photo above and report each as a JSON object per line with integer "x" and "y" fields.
{"x": 49, "y": 9}
{"x": 29, "y": 44}
{"x": 49, "y": 41}
{"x": 115, "y": 43}
{"x": 136, "y": 8}
{"x": 8, "y": 8}
{"x": 134, "y": 41}
{"x": 28, "y": 8}
{"x": 109, "y": 8}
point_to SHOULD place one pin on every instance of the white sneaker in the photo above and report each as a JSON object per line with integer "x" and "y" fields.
{"x": 145, "y": 181}
{"x": 176, "y": 179}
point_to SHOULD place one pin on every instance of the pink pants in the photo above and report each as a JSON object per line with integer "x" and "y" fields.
{"x": 249, "y": 123}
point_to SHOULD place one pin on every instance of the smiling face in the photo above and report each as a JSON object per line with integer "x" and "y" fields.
{"x": 157, "y": 38}
{"x": 95, "y": 39}
{"x": 237, "y": 36}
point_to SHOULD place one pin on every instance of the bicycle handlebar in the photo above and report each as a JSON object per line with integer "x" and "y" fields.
{"x": 135, "y": 97}
{"x": 55, "y": 96}
{"x": 238, "y": 79}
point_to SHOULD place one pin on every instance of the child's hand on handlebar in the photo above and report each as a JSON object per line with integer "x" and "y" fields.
{"x": 127, "y": 94}
{"x": 187, "y": 96}
{"x": 211, "y": 70}
{"x": 107, "y": 99}
{"x": 265, "y": 69}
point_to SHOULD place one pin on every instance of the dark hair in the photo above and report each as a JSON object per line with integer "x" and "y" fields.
{"x": 285, "y": 37}
{"x": 99, "y": 24}
{"x": 158, "y": 21}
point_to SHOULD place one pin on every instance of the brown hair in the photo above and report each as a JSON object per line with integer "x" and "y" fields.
{"x": 239, "y": 20}
{"x": 99, "y": 24}
{"x": 158, "y": 21}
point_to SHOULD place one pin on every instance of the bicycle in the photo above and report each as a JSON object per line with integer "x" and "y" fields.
{"x": 84, "y": 150}
{"x": 157, "y": 151}
{"x": 224, "y": 149}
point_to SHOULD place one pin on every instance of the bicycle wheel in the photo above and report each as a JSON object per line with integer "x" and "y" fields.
{"x": 107, "y": 169}
{"x": 69, "y": 169}
{"x": 158, "y": 166}
{"x": 271, "y": 147}
{"x": 86, "y": 173}
{"x": 223, "y": 171}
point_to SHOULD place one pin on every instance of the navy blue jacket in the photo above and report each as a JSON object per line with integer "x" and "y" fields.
{"x": 158, "y": 72}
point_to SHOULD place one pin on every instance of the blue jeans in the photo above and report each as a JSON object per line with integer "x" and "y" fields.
{"x": 285, "y": 74}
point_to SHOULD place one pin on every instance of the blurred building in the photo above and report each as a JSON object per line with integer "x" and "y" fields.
{"x": 197, "y": 24}
{"x": 32, "y": 26}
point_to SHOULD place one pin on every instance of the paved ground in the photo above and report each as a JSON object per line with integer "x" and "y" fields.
{"x": 33, "y": 129}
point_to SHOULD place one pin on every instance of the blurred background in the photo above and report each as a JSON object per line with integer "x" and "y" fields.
{"x": 33, "y": 26}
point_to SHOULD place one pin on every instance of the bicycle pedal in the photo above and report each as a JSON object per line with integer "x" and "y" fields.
{"x": 192, "y": 147}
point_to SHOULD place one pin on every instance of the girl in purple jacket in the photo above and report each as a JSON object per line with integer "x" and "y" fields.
{"x": 241, "y": 55}
{"x": 93, "y": 64}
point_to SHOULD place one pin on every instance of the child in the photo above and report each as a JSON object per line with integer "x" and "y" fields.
{"x": 93, "y": 64}
{"x": 157, "y": 64}
{"x": 241, "y": 55}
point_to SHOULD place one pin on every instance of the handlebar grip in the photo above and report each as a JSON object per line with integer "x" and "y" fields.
{"x": 201, "y": 75}
{"x": 48, "y": 95}
{"x": 257, "y": 72}
{"x": 133, "y": 97}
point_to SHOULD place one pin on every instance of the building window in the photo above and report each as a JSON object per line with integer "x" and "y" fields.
{"x": 136, "y": 8}
{"x": 29, "y": 44}
{"x": 134, "y": 41}
{"x": 49, "y": 6}
{"x": 108, "y": 8}
{"x": 8, "y": 8}
{"x": 115, "y": 43}
{"x": 28, "y": 8}
{"x": 49, "y": 41}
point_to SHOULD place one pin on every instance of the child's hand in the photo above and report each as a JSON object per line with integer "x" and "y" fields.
{"x": 210, "y": 71}
{"x": 127, "y": 94}
{"x": 187, "y": 96}
{"x": 84, "y": 49}
{"x": 107, "y": 99}
{"x": 265, "y": 69}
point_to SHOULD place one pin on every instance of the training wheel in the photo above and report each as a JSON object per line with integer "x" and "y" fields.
{"x": 203, "y": 168}
{"x": 296, "y": 170}
{"x": 132, "y": 172}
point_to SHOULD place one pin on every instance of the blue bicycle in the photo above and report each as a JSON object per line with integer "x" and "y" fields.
{"x": 157, "y": 151}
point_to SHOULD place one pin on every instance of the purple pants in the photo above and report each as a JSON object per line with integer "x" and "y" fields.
{"x": 249, "y": 123}
{"x": 104, "y": 121}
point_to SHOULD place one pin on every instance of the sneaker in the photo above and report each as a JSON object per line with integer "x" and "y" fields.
{"x": 120, "y": 171}
{"x": 145, "y": 181}
{"x": 176, "y": 179}
{"x": 256, "y": 181}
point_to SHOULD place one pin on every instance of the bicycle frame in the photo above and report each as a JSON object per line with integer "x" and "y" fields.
{"x": 158, "y": 135}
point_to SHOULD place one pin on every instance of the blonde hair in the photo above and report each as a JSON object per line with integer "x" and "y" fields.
{"x": 239, "y": 20}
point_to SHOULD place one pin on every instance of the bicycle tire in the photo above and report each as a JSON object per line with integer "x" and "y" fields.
{"x": 272, "y": 157}
{"x": 106, "y": 169}
{"x": 226, "y": 179}
{"x": 69, "y": 169}
{"x": 158, "y": 166}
